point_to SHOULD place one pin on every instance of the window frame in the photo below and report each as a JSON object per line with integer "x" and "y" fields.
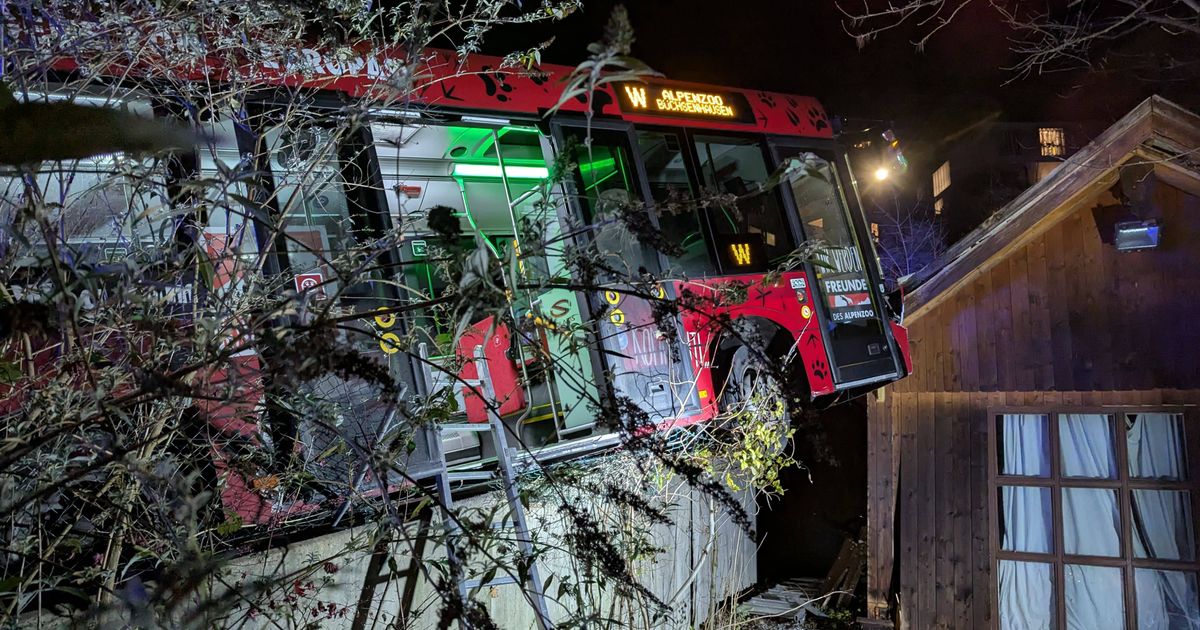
{"x": 1123, "y": 484}
{"x": 940, "y": 180}
{"x": 1052, "y": 142}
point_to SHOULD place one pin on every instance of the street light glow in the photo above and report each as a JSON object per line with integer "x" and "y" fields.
{"x": 882, "y": 173}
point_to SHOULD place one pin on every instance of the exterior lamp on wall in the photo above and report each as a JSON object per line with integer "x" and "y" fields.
{"x": 1129, "y": 223}
{"x": 1131, "y": 236}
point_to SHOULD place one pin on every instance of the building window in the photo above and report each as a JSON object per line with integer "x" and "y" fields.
{"x": 1052, "y": 140}
{"x": 941, "y": 179}
{"x": 1094, "y": 525}
{"x": 1041, "y": 170}
{"x": 937, "y": 207}
{"x": 875, "y": 230}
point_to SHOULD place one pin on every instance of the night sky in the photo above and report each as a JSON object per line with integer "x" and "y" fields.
{"x": 802, "y": 48}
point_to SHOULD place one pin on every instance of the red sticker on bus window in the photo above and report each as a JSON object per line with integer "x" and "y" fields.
{"x": 308, "y": 282}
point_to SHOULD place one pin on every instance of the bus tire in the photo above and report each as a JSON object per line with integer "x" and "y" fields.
{"x": 739, "y": 374}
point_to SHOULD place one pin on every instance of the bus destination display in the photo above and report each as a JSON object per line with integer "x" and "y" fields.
{"x": 684, "y": 102}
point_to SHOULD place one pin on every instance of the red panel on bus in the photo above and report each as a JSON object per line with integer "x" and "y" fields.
{"x": 480, "y": 83}
{"x": 504, "y": 374}
{"x": 779, "y": 303}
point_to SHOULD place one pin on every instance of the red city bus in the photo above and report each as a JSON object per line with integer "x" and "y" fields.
{"x": 477, "y": 138}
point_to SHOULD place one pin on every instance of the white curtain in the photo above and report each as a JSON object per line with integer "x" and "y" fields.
{"x": 1091, "y": 518}
{"x": 1027, "y": 519}
{"x": 1086, "y": 442}
{"x": 1025, "y": 439}
{"x": 1095, "y": 597}
{"x": 1026, "y": 596}
{"x": 1026, "y": 592}
{"x": 1091, "y": 523}
{"x": 1162, "y": 523}
{"x": 1155, "y": 445}
{"x": 1167, "y": 600}
{"x": 1163, "y": 527}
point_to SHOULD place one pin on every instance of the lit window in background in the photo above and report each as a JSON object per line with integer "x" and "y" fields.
{"x": 937, "y": 206}
{"x": 941, "y": 179}
{"x": 1052, "y": 141}
{"x": 875, "y": 230}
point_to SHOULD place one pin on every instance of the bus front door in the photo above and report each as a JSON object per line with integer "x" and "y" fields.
{"x": 859, "y": 341}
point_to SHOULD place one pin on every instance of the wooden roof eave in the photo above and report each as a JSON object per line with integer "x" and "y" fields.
{"x": 1156, "y": 130}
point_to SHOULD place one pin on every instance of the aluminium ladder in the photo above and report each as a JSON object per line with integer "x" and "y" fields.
{"x": 445, "y": 478}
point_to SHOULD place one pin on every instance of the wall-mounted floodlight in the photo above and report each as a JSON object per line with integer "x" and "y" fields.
{"x": 1131, "y": 236}
{"x": 492, "y": 171}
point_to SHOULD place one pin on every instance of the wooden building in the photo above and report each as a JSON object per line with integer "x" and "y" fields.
{"x": 1040, "y": 467}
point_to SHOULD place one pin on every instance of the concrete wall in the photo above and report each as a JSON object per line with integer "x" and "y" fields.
{"x": 704, "y": 558}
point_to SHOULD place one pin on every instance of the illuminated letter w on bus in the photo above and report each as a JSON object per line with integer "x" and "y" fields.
{"x": 637, "y": 96}
{"x": 741, "y": 254}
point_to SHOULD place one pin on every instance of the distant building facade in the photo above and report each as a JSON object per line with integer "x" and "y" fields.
{"x": 976, "y": 173}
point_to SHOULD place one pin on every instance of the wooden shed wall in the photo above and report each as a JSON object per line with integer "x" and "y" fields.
{"x": 1062, "y": 320}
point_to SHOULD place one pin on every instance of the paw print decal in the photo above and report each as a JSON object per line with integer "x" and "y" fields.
{"x": 600, "y": 100}
{"x": 819, "y": 369}
{"x": 793, "y": 118}
{"x": 817, "y": 118}
{"x": 766, "y": 99}
{"x": 494, "y": 84}
{"x": 811, "y": 339}
{"x": 792, "y": 102}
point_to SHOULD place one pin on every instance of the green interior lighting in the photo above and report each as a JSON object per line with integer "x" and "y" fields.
{"x": 492, "y": 171}
{"x": 597, "y": 171}
{"x": 600, "y": 164}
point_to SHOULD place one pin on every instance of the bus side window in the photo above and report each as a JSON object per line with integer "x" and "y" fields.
{"x": 606, "y": 187}
{"x": 667, "y": 175}
{"x": 734, "y": 166}
{"x": 105, "y": 208}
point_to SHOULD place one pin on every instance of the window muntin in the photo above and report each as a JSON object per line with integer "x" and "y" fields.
{"x": 1108, "y": 524}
